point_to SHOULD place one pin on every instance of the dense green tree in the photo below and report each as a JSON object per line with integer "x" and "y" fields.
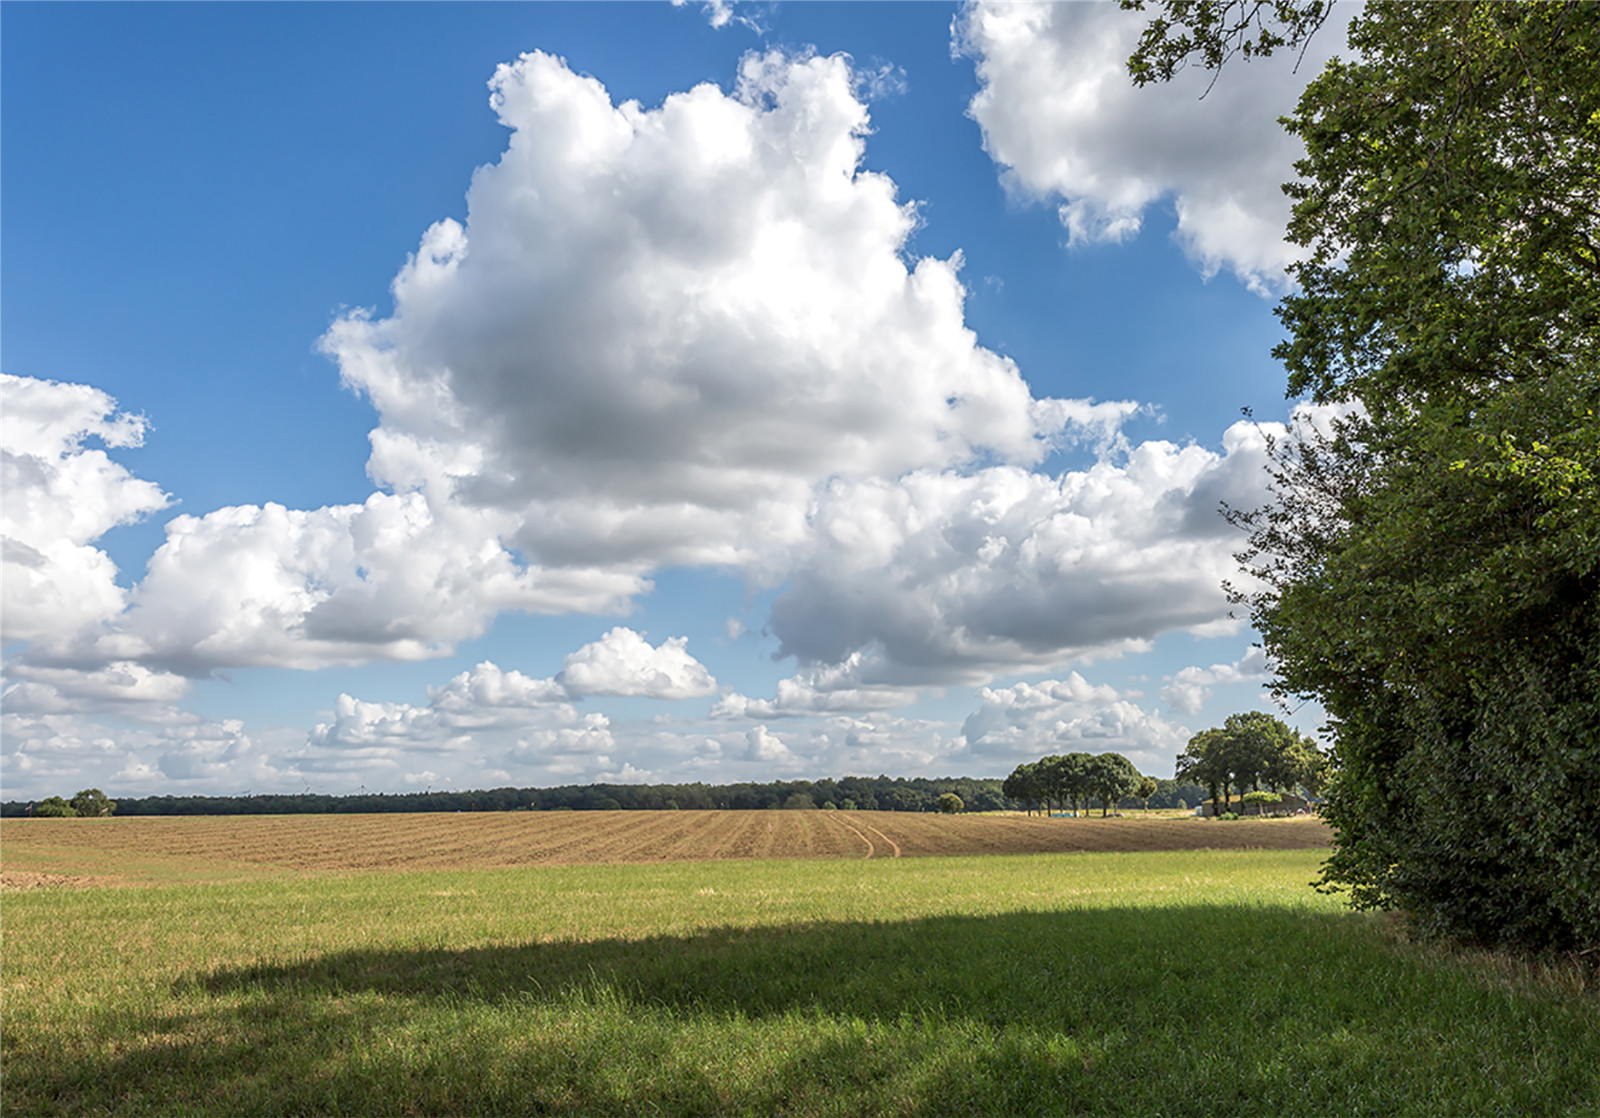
{"x": 1204, "y": 762}
{"x": 1110, "y": 778}
{"x": 1246, "y": 751}
{"x": 1147, "y": 787}
{"x": 1023, "y": 786}
{"x": 91, "y": 803}
{"x": 1077, "y": 780}
{"x": 1064, "y": 779}
{"x": 54, "y": 807}
{"x": 950, "y": 804}
{"x": 1430, "y": 563}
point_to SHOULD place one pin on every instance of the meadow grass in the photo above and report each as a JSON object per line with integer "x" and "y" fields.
{"x": 1171, "y": 983}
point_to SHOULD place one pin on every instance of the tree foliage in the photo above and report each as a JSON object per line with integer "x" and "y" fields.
{"x": 1430, "y": 565}
{"x": 1210, "y": 32}
{"x": 1247, "y": 751}
{"x": 92, "y": 803}
{"x": 1111, "y": 778}
{"x": 1074, "y": 779}
{"x": 54, "y": 807}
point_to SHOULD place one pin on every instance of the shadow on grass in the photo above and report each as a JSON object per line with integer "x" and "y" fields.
{"x": 1185, "y": 1010}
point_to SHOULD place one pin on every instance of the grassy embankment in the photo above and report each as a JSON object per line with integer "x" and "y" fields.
{"x": 1185, "y": 982}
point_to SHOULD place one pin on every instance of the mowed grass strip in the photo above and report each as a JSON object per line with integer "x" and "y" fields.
{"x": 1162, "y": 983}
{"x": 218, "y": 848}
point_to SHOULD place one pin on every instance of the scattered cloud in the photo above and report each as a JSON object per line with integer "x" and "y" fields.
{"x": 722, "y": 13}
{"x": 124, "y": 688}
{"x": 766, "y": 747}
{"x": 1027, "y": 721}
{"x": 850, "y": 686}
{"x": 689, "y": 334}
{"x": 1188, "y": 689}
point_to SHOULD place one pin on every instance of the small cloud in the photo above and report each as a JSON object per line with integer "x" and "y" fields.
{"x": 763, "y": 745}
{"x": 878, "y": 82}
{"x": 720, "y": 13}
{"x": 1188, "y": 690}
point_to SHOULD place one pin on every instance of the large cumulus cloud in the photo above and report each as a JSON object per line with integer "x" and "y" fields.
{"x": 659, "y": 328}
{"x": 658, "y": 333}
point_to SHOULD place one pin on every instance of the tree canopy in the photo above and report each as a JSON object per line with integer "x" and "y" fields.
{"x": 1429, "y": 567}
{"x": 1080, "y": 778}
{"x": 1247, "y": 751}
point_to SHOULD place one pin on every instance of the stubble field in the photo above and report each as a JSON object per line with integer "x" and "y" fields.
{"x": 546, "y": 964}
{"x": 140, "y": 849}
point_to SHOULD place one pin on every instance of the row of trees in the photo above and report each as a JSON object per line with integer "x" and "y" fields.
{"x": 1428, "y": 568}
{"x": 864, "y": 793}
{"x": 852, "y": 793}
{"x": 1072, "y": 779}
{"x": 1250, "y": 750}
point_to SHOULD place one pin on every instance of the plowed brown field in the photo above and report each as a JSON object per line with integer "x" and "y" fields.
{"x": 211, "y": 847}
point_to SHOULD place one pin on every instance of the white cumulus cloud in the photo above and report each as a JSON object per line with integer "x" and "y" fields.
{"x": 61, "y": 496}
{"x": 850, "y": 686}
{"x": 1060, "y": 113}
{"x": 955, "y": 577}
{"x": 659, "y": 328}
{"x": 623, "y": 663}
{"x": 398, "y": 577}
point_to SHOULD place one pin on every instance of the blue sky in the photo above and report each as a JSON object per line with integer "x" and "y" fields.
{"x": 856, "y": 400}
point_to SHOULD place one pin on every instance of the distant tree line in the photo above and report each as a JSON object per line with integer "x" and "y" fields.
{"x": 851, "y": 793}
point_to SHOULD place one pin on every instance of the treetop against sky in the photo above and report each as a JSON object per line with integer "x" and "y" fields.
{"x": 719, "y": 393}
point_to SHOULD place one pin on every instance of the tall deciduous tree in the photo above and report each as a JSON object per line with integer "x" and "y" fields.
{"x": 1147, "y": 788}
{"x": 1110, "y": 777}
{"x": 1203, "y": 762}
{"x": 92, "y": 802}
{"x": 1431, "y": 562}
{"x": 1022, "y": 786}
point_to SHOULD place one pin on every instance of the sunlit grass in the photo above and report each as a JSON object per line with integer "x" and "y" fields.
{"x": 1144, "y": 983}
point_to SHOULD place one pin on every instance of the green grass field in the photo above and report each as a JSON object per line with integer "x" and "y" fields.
{"x": 1172, "y": 983}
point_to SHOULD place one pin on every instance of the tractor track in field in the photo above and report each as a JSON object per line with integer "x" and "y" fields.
{"x": 862, "y": 835}
{"x": 894, "y": 846}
